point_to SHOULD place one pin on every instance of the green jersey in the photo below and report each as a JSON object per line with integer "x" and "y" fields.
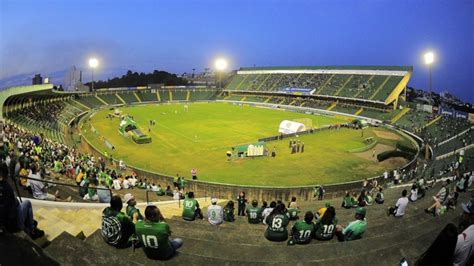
{"x": 293, "y": 213}
{"x": 277, "y": 227}
{"x": 189, "y": 208}
{"x": 325, "y": 231}
{"x": 154, "y": 237}
{"x": 347, "y": 202}
{"x": 254, "y": 215}
{"x": 355, "y": 230}
{"x": 302, "y": 232}
{"x": 131, "y": 210}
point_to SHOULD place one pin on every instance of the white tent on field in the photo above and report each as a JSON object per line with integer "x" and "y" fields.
{"x": 290, "y": 127}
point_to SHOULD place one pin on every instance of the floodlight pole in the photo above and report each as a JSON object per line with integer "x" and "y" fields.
{"x": 92, "y": 78}
{"x": 220, "y": 80}
{"x": 431, "y": 89}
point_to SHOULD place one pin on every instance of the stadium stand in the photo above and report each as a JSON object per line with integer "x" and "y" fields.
{"x": 371, "y": 83}
{"x": 386, "y": 240}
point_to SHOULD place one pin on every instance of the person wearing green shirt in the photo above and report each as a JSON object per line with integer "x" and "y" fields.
{"x": 303, "y": 230}
{"x": 191, "y": 209}
{"x": 159, "y": 191}
{"x": 347, "y": 201}
{"x": 154, "y": 233}
{"x": 325, "y": 228}
{"x": 355, "y": 229}
{"x": 116, "y": 228}
{"x": 379, "y": 197}
{"x": 277, "y": 223}
{"x": 254, "y": 213}
{"x": 132, "y": 212}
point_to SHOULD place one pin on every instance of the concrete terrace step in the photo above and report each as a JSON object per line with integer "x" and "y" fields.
{"x": 69, "y": 250}
{"x": 282, "y": 253}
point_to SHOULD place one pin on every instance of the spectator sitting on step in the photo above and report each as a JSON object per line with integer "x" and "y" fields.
{"x": 168, "y": 191}
{"x": 40, "y": 192}
{"x": 116, "y": 183}
{"x": 400, "y": 206}
{"x": 361, "y": 200}
{"x": 132, "y": 212}
{"x": 413, "y": 193}
{"x": 215, "y": 213}
{"x": 442, "y": 249}
{"x": 321, "y": 211}
{"x": 92, "y": 191}
{"x": 191, "y": 209}
{"x": 117, "y": 228}
{"x": 379, "y": 197}
{"x": 159, "y": 191}
{"x": 254, "y": 213}
{"x": 293, "y": 209}
{"x": 266, "y": 212}
{"x": 325, "y": 227}
{"x": 154, "y": 235}
{"x": 461, "y": 184}
{"x": 355, "y": 229}
{"x": 303, "y": 230}
{"x": 277, "y": 223}
{"x": 103, "y": 193}
{"x": 438, "y": 200}
{"x": 15, "y": 215}
{"x": 229, "y": 212}
{"x": 126, "y": 183}
{"x": 347, "y": 201}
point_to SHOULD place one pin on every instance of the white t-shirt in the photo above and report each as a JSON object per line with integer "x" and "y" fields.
{"x": 215, "y": 214}
{"x": 265, "y": 213}
{"x": 414, "y": 194}
{"x": 126, "y": 184}
{"x": 464, "y": 247}
{"x": 116, "y": 184}
{"x": 37, "y": 188}
{"x": 133, "y": 181}
{"x": 401, "y": 206}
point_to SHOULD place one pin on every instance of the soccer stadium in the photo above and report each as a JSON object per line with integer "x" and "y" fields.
{"x": 307, "y": 165}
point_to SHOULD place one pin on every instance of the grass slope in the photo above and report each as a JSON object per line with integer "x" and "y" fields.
{"x": 200, "y": 138}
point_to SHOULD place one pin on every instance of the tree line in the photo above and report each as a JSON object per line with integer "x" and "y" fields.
{"x": 135, "y": 79}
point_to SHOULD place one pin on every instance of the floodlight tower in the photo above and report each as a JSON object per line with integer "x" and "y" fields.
{"x": 93, "y": 63}
{"x": 429, "y": 59}
{"x": 221, "y": 65}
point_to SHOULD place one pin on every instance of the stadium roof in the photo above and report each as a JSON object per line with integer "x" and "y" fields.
{"x": 393, "y": 68}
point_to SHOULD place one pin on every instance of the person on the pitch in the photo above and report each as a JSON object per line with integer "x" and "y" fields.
{"x": 302, "y": 147}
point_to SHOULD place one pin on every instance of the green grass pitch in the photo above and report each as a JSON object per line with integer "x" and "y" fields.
{"x": 200, "y": 138}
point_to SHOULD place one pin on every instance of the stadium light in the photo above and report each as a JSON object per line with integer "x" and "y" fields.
{"x": 429, "y": 59}
{"x": 93, "y": 63}
{"x": 221, "y": 65}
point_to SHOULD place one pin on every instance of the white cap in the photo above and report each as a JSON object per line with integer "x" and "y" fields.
{"x": 128, "y": 197}
{"x": 213, "y": 200}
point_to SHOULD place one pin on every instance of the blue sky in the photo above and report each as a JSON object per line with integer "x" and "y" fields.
{"x": 51, "y": 35}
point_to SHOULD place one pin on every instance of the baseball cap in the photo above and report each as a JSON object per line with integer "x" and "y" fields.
{"x": 213, "y": 200}
{"x": 360, "y": 211}
{"x": 468, "y": 207}
{"x": 128, "y": 197}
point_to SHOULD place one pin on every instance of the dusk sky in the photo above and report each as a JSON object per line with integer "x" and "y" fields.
{"x": 176, "y": 36}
